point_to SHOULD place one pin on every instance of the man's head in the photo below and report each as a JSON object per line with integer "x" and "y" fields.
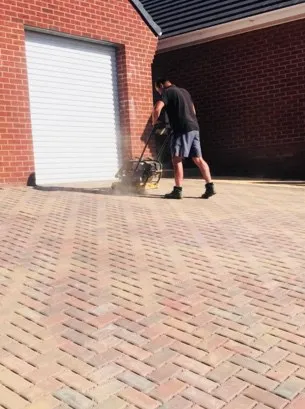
{"x": 161, "y": 84}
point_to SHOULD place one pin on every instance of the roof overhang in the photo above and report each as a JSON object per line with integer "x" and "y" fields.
{"x": 146, "y": 17}
{"x": 232, "y": 28}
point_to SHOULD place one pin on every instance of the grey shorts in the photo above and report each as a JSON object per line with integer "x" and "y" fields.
{"x": 186, "y": 145}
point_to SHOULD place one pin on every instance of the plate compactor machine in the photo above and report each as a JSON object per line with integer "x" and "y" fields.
{"x": 141, "y": 174}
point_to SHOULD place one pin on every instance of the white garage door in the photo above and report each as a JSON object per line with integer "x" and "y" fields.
{"x": 74, "y": 109}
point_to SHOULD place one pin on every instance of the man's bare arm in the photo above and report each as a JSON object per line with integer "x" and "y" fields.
{"x": 157, "y": 111}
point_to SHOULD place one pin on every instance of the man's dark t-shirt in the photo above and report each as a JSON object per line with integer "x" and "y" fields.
{"x": 179, "y": 108}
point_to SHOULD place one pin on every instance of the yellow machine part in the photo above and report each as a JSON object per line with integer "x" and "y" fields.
{"x": 151, "y": 186}
{"x": 139, "y": 188}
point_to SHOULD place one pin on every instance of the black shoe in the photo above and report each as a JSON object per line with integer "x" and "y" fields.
{"x": 209, "y": 191}
{"x": 175, "y": 194}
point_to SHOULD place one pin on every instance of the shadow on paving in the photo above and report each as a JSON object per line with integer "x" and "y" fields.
{"x": 98, "y": 191}
{"x": 104, "y": 192}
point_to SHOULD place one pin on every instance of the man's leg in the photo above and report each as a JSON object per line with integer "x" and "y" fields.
{"x": 177, "y": 152}
{"x": 178, "y": 174}
{"x": 196, "y": 155}
{"x": 178, "y": 170}
{"x": 204, "y": 169}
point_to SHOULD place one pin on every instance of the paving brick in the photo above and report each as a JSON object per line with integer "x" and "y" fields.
{"x": 9, "y": 399}
{"x": 213, "y": 342}
{"x": 297, "y": 403}
{"x": 43, "y": 360}
{"x": 179, "y": 324}
{"x": 13, "y": 381}
{"x": 178, "y": 402}
{"x": 112, "y": 403}
{"x": 202, "y": 398}
{"x": 224, "y": 314}
{"x": 273, "y": 356}
{"x": 235, "y": 330}
{"x": 201, "y": 318}
{"x": 282, "y": 371}
{"x": 242, "y": 349}
{"x": 73, "y": 398}
{"x": 241, "y": 402}
{"x": 236, "y": 336}
{"x": 249, "y": 363}
{"x": 192, "y": 365}
{"x": 133, "y": 351}
{"x": 296, "y": 359}
{"x": 161, "y": 357}
{"x": 139, "y": 399}
{"x": 100, "y": 360}
{"x": 300, "y": 373}
{"x": 168, "y": 390}
{"x": 140, "y": 368}
{"x": 164, "y": 373}
{"x": 250, "y": 319}
{"x": 102, "y": 343}
{"x": 206, "y": 330}
{"x": 288, "y": 336}
{"x": 49, "y": 385}
{"x": 76, "y": 351}
{"x": 129, "y": 325}
{"x": 266, "y": 397}
{"x": 35, "y": 392}
{"x": 102, "y": 392}
{"x": 289, "y": 346}
{"x": 188, "y": 350}
{"x": 54, "y": 319}
{"x": 46, "y": 371}
{"x": 154, "y": 331}
{"x": 128, "y": 314}
{"x": 130, "y": 336}
{"x": 104, "y": 374}
{"x": 16, "y": 364}
{"x": 198, "y": 381}
{"x": 180, "y": 315}
{"x": 291, "y": 387}
{"x": 259, "y": 329}
{"x": 257, "y": 379}
{"x": 44, "y": 403}
{"x": 182, "y": 336}
{"x": 266, "y": 342}
{"x": 231, "y": 388}
{"x": 223, "y": 372}
{"x": 279, "y": 324}
{"x": 152, "y": 319}
{"x": 217, "y": 356}
{"x": 161, "y": 342}
{"x": 136, "y": 381}
{"x": 75, "y": 381}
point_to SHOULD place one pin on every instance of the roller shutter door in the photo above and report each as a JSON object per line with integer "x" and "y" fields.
{"x": 74, "y": 109}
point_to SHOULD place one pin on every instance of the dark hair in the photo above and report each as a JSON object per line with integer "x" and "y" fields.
{"x": 161, "y": 81}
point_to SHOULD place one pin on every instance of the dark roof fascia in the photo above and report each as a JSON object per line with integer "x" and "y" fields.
{"x": 147, "y": 17}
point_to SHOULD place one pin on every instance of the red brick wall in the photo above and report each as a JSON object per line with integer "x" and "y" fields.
{"x": 114, "y": 21}
{"x": 249, "y": 92}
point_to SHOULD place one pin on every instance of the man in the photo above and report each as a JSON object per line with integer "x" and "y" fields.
{"x": 185, "y": 141}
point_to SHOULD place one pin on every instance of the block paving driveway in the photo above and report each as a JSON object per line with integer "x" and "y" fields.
{"x": 113, "y": 302}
